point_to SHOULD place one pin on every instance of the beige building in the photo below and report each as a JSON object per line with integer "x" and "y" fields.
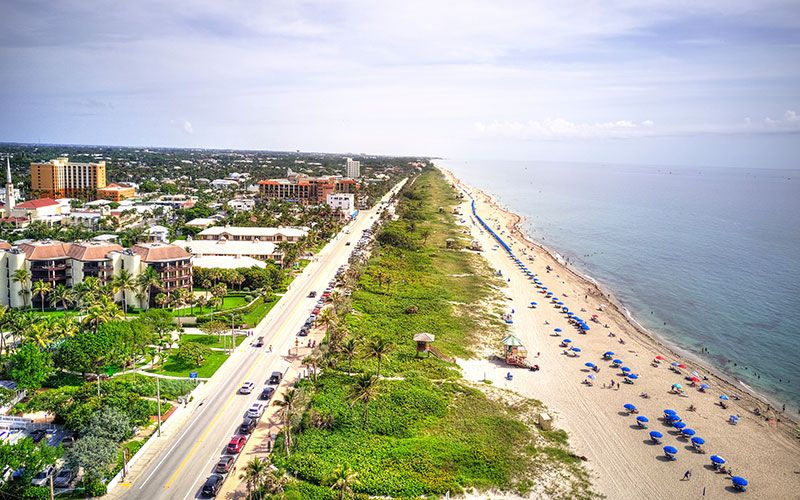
{"x": 68, "y": 264}
{"x": 61, "y": 178}
{"x": 236, "y": 233}
{"x": 116, "y": 192}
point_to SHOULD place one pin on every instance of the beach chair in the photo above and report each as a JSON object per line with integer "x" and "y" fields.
{"x": 733, "y": 420}
{"x": 670, "y": 456}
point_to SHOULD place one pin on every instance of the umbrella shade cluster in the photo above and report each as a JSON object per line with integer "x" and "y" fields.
{"x": 656, "y": 436}
{"x": 589, "y": 365}
{"x": 642, "y": 419}
{"x": 679, "y": 425}
{"x": 717, "y": 459}
{"x": 629, "y": 407}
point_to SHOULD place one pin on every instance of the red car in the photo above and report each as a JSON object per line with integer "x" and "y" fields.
{"x": 236, "y": 444}
{"x": 315, "y": 311}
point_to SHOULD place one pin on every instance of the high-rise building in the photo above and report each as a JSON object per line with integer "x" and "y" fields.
{"x": 61, "y": 178}
{"x": 9, "y": 201}
{"x": 353, "y": 169}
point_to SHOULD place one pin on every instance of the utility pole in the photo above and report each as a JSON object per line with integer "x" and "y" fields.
{"x": 124, "y": 462}
{"x": 52, "y": 493}
{"x": 158, "y": 397}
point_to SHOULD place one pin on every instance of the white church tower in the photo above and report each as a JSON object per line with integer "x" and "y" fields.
{"x": 10, "y": 201}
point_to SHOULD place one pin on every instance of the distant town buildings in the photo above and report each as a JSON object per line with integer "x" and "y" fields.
{"x": 241, "y": 204}
{"x": 236, "y": 233}
{"x": 224, "y": 184}
{"x": 68, "y": 264}
{"x": 352, "y": 168}
{"x": 116, "y": 192}
{"x": 254, "y": 249}
{"x": 344, "y": 202}
{"x": 61, "y": 178}
{"x": 303, "y": 189}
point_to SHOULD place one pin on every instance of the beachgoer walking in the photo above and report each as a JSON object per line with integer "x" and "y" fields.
{"x": 687, "y": 475}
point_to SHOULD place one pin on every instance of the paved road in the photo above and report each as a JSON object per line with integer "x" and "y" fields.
{"x": 179, "y": 470}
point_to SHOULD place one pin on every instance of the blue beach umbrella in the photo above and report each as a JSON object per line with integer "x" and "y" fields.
{"x": 617, "y": 361}
{"x": 688, "y": 432}
{"x": 560, "y": 303}
{"x": 670, "y": 412}
{"x": 739, "y": 481}
{"x": 655, "y": 435}
{"x": 557, "y": 330}
{"x": 585, "y": 327}
{"x": 679, "y": 425}
{"x": 632, "y": 376}
{"x": 642, "y": 419}
{"x": 628, "y": 406}
{"x": 591, "y": 377}
{"x": 575, "y": 349}
{"x": 724, "y": 397}
{"x": 534, "y": 303}
{"x": 565, "y": 309}
{"x": 717, "y": 459}
{"x": 625, "y": 369}
{"x": 567, "y": 341}
{"x": 589, "y": 364}
{"x": 544, "y": 288}
{"x": 704, "y": 386}
{"x": 570, "y": 314}
{"x": 549, "y": 294}
{"x": 674, "y": 363}
{"x": 698, "y": 441}
{"x": 608, "y": 353}
{"x": 671, "y": 450}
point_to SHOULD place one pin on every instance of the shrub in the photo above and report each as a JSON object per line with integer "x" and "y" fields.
{"x": 95, "y": 489}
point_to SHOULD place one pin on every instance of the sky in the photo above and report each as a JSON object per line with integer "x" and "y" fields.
{"x": 673, "y": 82}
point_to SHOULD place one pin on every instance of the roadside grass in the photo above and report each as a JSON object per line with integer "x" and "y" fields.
{"x": 211, "y": 340}
{"x": 228, "y": 302}
{"x": 252, "y": 318}
{"x": 428, "y": 432}
{"x": 175, "y": 368}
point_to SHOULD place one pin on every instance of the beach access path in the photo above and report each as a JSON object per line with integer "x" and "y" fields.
{"x": 623, "y": 459}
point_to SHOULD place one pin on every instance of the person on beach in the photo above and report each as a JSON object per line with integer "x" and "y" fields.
{"x": 687, "y": 475}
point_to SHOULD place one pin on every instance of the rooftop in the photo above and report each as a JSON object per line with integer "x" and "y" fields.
{"x": 158, "y": 252}
{"x": 258, "y": 232}
{"x": 227, "y": 247}
{"x": 39, "y": 203}
{"x": 92, "y": 250}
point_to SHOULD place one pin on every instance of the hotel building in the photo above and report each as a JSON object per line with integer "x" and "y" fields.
{"x": 301, "y": 188}
{"x": 61, "y": 178}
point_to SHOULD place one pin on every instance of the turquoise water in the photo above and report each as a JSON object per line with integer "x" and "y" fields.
{"x": 703, "y": 257}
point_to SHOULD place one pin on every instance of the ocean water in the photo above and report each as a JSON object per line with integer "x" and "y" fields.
{"x": 702, "y": 257}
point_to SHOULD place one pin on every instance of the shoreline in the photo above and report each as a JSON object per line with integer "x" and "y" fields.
{"x": 763, "y": 447}
{"x": 516, "y": 232}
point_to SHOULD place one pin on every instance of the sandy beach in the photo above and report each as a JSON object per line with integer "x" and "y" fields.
{"x": 625, "y": 462}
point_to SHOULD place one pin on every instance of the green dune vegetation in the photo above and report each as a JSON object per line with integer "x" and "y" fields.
{"x": 381, "y": 419}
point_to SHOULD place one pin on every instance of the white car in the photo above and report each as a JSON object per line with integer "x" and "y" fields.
{"x": 246, "y": 388}
{"x": 256, "y": 410}
{"x": 43, "y": 477}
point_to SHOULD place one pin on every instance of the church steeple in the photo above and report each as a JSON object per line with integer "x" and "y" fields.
{"x": 10, "y": 201}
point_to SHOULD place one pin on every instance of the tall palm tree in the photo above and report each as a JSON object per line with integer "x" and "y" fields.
{"x": 253, "y": 474}
{"x": 342, "y": 481}
{"x": 39, "y": 333}
{"x": 65, "y": 327}
{"x": 365, "y": 390}
{"x": 89, "y": 290}
{"x": 148, "y": 279}
{"x": 327, "y": 317}
{"x": 23, "y": 277}
{"x": 42, "y": 288}
{"x": 123, "y": 282}
{"x": 378, "y": 348}
{"x": 63, "y": 295}
{"x": 288, "y": 406}
{"x": 349, "y": 349}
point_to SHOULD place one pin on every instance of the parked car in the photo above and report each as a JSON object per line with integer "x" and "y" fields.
{"x": 65, "y": 477}
{"x": 38, "y": 435}
{"x": 212, "y": 485}
{"x": 255, "y": 410}
{"x": 224, "y": 464}
{"x": 43, "y": 476}
{"x": 312, "y": 294}
{"x": 303, "y": 332}
{"x": 248, "y": 425}
{"x": 266, "y": 393}
{"x": 236, "y": 444}
{"x": 275, "y": 378}
{"x": 246, "y": 388}
{"x": 347, "y": 244}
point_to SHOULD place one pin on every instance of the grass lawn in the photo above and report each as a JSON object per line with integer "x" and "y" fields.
{"x": 177, "y": 369}
{"x": 252, "y": 318}
{"x": 229, "y": 302}
{"x": 210, "y": 340}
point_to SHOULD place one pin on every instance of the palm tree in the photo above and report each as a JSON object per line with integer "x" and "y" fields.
{"x": 88, "y": 291}
{"x": 65, "y": 327}
{"x": 288, "y": 406}
{"x": 147, "y": 280}
{"x": 254, "y": 473}
{"x": 39, "y": 333}
{"x": 42, "y": 288}
{"x": 102, "y": 311}
{"x": 123, "y": 282}
{"x": 342, "y": 481}
{"x": 364, "y": 391}
{"x": 378, "y": 348}
{"x": 161, "y": 299}
{"x": 63, "y": 295}
{"x": 349, "y": 349}
{"x": 327, "y": 317}
{"x": 23, "y": 277}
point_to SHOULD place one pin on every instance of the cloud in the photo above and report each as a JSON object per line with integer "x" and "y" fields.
{"x": 187, "y": 127}
{"x": 560, "y": 128}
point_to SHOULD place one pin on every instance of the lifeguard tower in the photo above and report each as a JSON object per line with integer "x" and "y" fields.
{"x": 515, "y": 353}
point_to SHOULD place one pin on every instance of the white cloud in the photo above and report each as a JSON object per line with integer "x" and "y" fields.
{"x": 560, "y": 128}
{"x": 187, "y": 127}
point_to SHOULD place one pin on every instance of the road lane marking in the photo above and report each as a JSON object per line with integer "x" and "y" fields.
{"x": 211, "y": 425}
